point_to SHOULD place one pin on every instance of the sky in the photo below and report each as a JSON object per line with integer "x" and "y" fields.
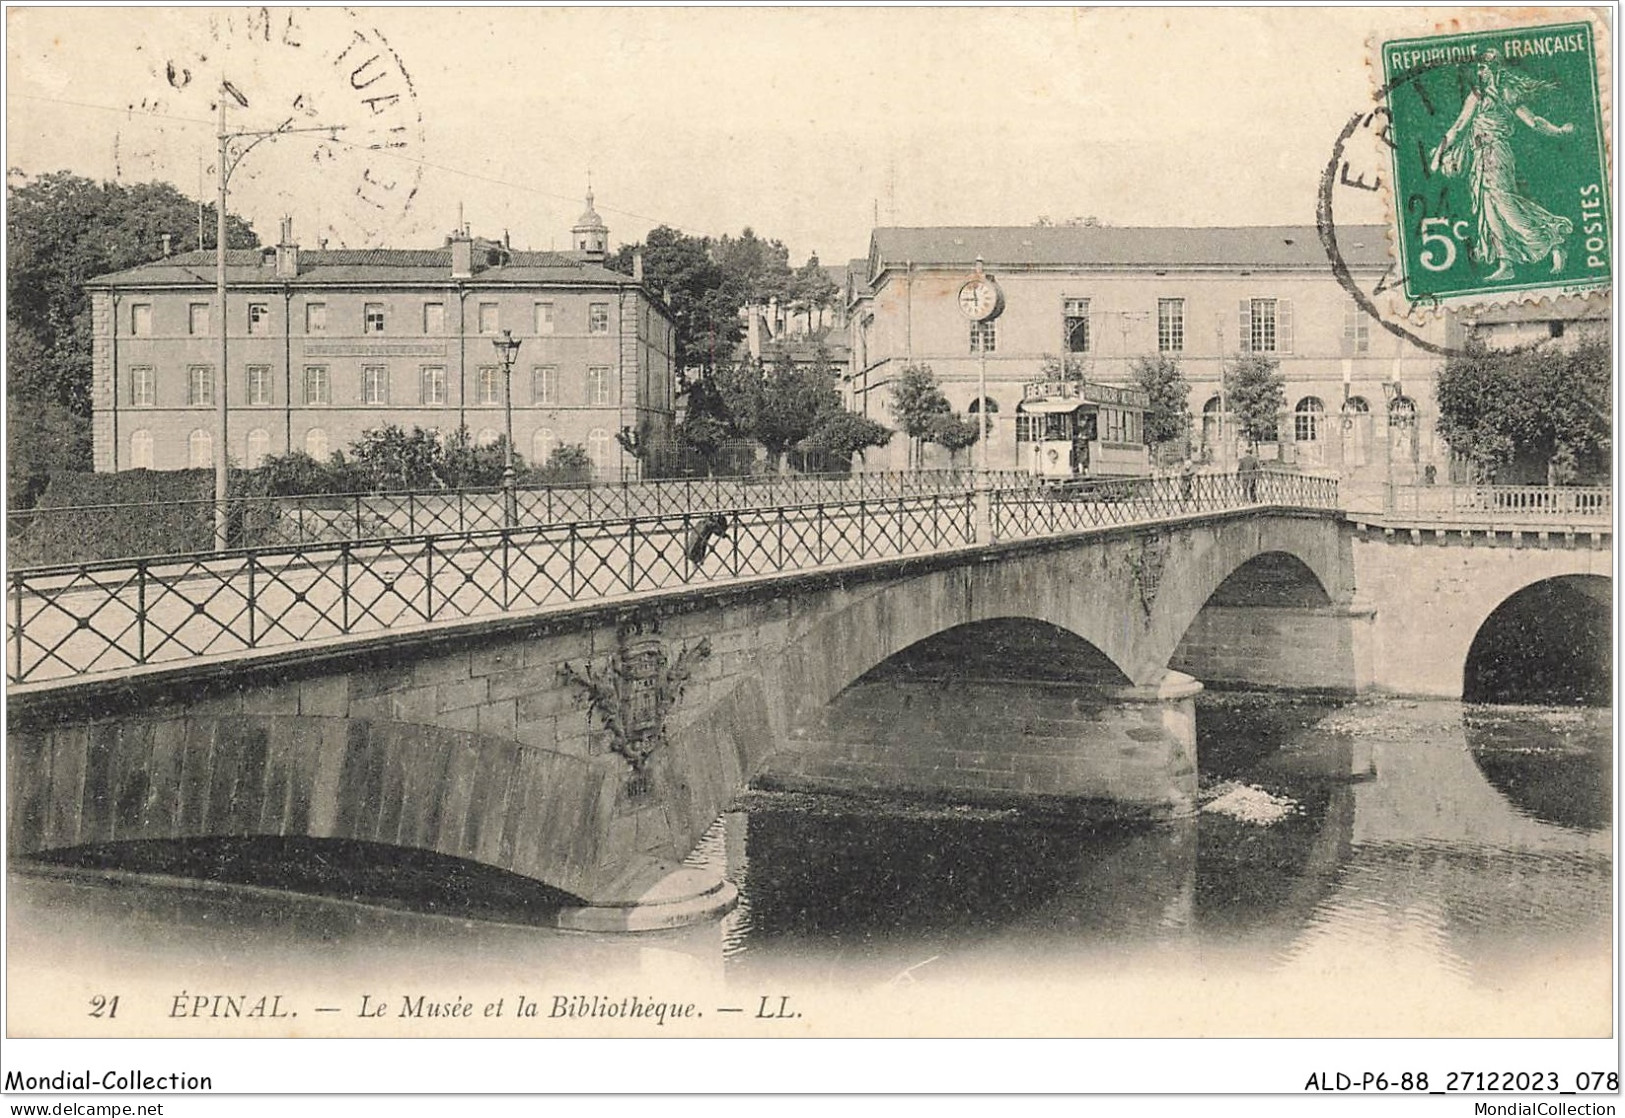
{"x": 804, "y": 124}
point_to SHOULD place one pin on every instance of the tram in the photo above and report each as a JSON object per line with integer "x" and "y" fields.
{"x": 1079, "y": 431}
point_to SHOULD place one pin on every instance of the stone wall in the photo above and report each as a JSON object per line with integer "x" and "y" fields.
{"x": 463, "y": 794}
{"x": 1432, "y": 591}
{"x": 1095, "y": 752}
{"x": 1304, "y": 648}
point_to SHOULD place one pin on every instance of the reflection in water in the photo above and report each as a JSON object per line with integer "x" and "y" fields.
{"x": 1552, "y": 765}
{"x": 1391, "y": 861}
{"x": 1421, "y": 868}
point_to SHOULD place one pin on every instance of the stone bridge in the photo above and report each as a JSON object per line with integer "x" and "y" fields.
{"x": 589, "y": 747}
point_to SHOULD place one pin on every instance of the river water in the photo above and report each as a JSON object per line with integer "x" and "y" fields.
{"x": 1371, "y": 868}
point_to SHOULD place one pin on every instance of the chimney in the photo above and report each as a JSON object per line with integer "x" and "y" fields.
{"x": 753, "y": 330}
{"x": 287, "y": 253}
{"x": 637, "y": 262}
{"x": 166, "y": 244}
{"x": 462, "y": 254}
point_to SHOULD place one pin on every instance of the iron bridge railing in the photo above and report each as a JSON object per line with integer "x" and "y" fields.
{"x": 86, "y": 533}
{"x": 94, "y": 618}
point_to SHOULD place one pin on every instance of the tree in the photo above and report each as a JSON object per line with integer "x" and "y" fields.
{"x": 709, "y": 281}
{"x": 683, "y": 268}
{"x": 754, "y": 270}
{"x": 951, "y": 432}
{"x": 842, "y": 434}
{"x": 916, "y": 401}
{"x": 393, "y": 459}
{"x": 1066, "y": 367}
{"x": 62, "y": 230}
{"x": 1257, "y": 395}
{"x": 569, "y": 464}
{"x": 1537, "y": 406}
{"x": 811, "y": 289}
{"x": 1167, "y": 415}
{"x": 467, "y": 465}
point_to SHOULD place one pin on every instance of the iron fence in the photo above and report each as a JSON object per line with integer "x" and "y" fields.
{"x": 99, "y": 617}
{"x": 1104, "y": 504}
{"x": 90, "y": 618}
{"x": 51, "y": 536}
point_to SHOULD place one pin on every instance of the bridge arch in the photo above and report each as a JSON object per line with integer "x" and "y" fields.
{"x": 1132, "y": 597}
{"x": 1273, "y": 562}
{"x": 1548, "y": 641}
{"x": 1001, "y": 648}
{"x": 465, "y": 795}
{"x": 1456, "y": 588}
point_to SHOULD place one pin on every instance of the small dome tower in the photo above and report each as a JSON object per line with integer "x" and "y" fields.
{"x": 590, "y": 236}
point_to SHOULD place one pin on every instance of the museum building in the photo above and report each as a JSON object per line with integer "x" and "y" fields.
{"x": 325, "y": 344}
{"x": 1358, "y": 399}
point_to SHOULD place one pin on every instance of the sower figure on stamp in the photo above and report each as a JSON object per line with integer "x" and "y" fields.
{"x": 698, "y": 544}
{"x": 1512, "y": 228}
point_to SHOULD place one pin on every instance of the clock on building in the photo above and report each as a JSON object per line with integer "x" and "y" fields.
{"x": 980, "y": 298}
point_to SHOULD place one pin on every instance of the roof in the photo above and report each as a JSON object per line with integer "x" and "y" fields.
{"x": 1102, "y": 246}
{"x": 364, "y": 266}
{"x": 1041, "y": 407}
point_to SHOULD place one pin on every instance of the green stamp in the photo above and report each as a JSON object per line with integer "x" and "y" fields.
{"x": 1500, "y": 173}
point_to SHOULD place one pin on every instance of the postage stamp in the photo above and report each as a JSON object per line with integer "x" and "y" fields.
{"x": 1500, "y": 170}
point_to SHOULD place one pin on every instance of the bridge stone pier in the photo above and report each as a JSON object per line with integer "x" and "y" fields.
{"x": 589, "y": 747}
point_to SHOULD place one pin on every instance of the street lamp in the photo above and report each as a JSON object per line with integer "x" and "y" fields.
{"x": 227, "y": 160}
{"x": 507, "y": 348}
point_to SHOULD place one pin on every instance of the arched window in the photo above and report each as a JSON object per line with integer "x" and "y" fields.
{"x": 488, "y": 436}
{"x": 1356, "y": 430}
{"x": 1212, "y": 421}
{"x": 200, "y": 449}
{"x": 1307, "y": 419}
{"x": 316, "y": 444}
{"x": 141, "y": 450}
{"x": 599, "y": 448}
{"x": 258, "y": 446}
{"x": 976, "y": 406}
{"x": 541, "y": 446}
{"x": 1402, "y": 427}
{"x": 1402, "y": 412}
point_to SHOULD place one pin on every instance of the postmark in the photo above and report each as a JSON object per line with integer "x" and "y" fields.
{"x": 1500, "y": 175}
{"x": 1369, "y": 167}
{"x": 350, "y": 180}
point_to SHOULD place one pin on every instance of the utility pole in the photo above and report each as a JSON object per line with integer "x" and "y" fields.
{"x": 220, "y": 378}
{"x": 223, "y": 167}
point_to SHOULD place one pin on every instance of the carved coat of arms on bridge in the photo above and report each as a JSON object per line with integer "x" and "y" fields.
{"x": 1145, "y": 568}
{"x": 634, "y": 690}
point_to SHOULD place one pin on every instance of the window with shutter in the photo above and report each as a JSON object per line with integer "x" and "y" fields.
{"x": 1356, "y": 331}
{"x": 1264, "y": 323}
{"x": 1283, "y": 326}
{"x": 1245, "y": 317}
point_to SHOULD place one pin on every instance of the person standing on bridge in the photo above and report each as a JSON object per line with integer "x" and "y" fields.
{"x": 1187, "y": 484}
{"x": 698, "y": 544}
{"x": 1248, "y": 470}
